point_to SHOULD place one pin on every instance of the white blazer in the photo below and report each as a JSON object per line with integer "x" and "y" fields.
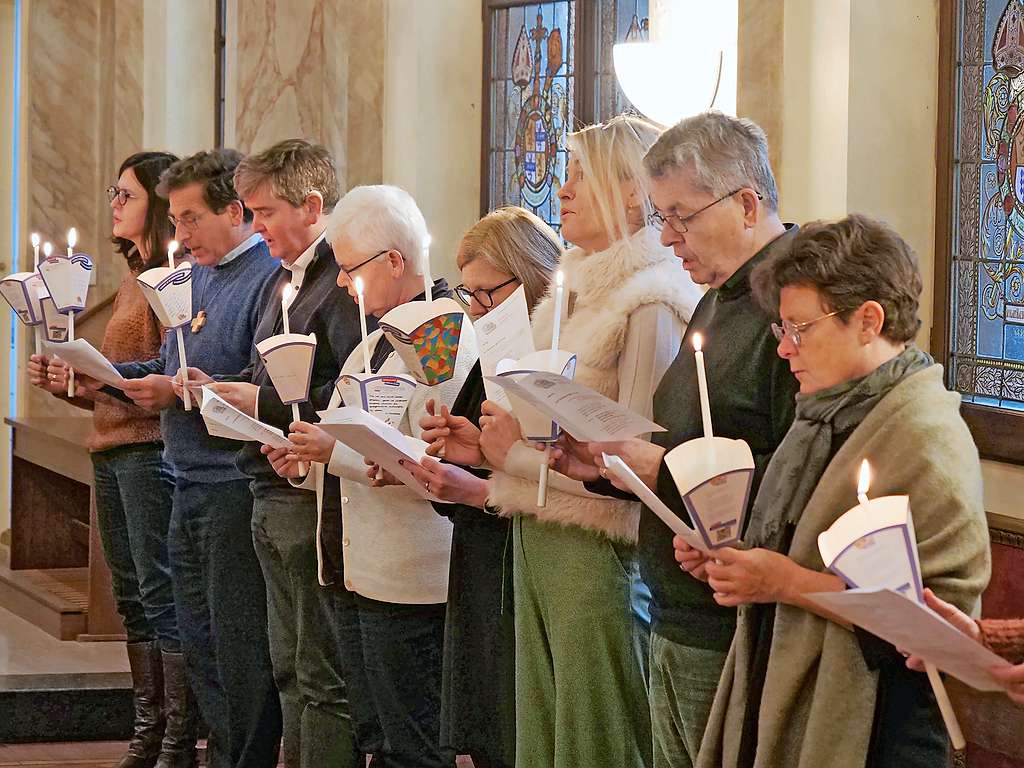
{"x": 396, "y": 548}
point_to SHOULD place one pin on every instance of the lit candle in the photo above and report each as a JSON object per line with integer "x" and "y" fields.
{"x": 362, "y": 325}
{"x": 863, "y": 483}
{"x": 47, "y": 249}
{"x": 286, "y": 302}
{"x": 72, "y": 241}
{"x": 35, "y": 251}
{"x": 172, "y": 248}
{"x": 428, "y": 281}
{"x": 702, "y": 385}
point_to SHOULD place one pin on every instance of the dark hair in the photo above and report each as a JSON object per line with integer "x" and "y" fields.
{"x": 215, "y": 170}
{"x": 848, "y": 262}
{"x": 156, "y": 229}
{"x": 294, "y": 168}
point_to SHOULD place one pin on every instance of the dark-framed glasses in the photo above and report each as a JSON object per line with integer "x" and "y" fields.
{"x": 349, "y": 270}
{"x": 189, "y": 223}
{"x": 794, "y": 330}
{"x": 484, "y": 296}
{"x": 681, "y": 224}
{"x": 121, "y": 195}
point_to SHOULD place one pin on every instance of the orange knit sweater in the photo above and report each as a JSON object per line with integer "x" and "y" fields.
{"x": 1005, "y": 637}
{"x": 133, "y": 333}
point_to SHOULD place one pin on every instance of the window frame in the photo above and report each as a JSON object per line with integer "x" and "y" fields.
{"x": 996, "y": 430}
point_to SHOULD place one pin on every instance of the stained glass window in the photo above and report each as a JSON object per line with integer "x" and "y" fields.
{"x": 535, "y": 80}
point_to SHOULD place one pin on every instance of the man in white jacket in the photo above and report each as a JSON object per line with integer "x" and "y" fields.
{"x": 395, "y": 547}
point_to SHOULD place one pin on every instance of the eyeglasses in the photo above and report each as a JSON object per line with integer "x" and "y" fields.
{"x": 188, "y": 223}
{"x": 681, "y": 224}
{"x": 794, "y": 330}
{"x": 121, "y": 195}
{"x": 484, "y": 296}
{"x": 349, "y": 270}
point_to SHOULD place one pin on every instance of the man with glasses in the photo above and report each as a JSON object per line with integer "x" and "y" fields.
{"x": 291, "y": 188}
{"x": 717, "y": 207}
{"x": 218, "y": 585}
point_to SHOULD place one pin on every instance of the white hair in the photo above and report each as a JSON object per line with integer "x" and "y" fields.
{"x": 381, "y": 217}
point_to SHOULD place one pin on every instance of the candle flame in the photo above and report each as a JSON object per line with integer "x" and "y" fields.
{"x": 359, "y": 286}
{"x": 172, "y": 247}
{"x": 286, "y": 295}
{"x": 559, "y": 278}
{"x": 864, "y": 478}
{"x": 698, "y": 342}
{"x": 35, "y": 239}
{"x": 72, "y": 237}
{"x": 47, "y": 249}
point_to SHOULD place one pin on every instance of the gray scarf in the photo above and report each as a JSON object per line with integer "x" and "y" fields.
{"x": 804, "y": 453}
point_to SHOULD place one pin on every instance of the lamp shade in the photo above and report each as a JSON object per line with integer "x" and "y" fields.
{"x": 666, "y": 81}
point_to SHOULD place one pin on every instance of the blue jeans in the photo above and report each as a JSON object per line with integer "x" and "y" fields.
{"x": 133, "y": 486}
{"x": 222, "y": 611}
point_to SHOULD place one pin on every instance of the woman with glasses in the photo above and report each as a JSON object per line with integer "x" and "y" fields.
{"x": 799, "y": 687}
{"x": 581, "y": 608}
{"x": 133, "y": 482}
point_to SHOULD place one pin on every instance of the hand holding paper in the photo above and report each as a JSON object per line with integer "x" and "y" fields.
{"x": 310, "y": 443}
{"x": 454, "y": 437}
{"x": 85, "y": 358}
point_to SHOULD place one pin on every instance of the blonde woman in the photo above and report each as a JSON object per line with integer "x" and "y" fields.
{"x": 581, "y": 608}
{"x": 506, "y": 249}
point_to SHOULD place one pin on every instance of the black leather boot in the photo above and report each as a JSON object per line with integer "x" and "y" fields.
{"x": 179, "y": 745}
{"x": 147, "y": 690}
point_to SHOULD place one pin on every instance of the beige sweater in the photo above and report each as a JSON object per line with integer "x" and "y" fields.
{"x": 818, "y": 704}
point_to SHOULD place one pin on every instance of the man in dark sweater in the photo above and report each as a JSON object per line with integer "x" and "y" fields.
{"x": 717, "y": 206}
{"x": 219, "y": 590}
{"x": 290, "y": 188}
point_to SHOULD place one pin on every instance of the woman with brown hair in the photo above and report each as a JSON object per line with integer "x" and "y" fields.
{"x": 133, "y": 482}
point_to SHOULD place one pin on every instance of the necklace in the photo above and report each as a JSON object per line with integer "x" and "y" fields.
{"x": 199, "y": 321}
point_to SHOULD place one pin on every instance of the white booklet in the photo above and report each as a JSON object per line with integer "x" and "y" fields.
{"x": 169, "y": 293}
{"x": 55, "y": 323}
{"x": 289, "y": 361}
{"x": 67, "y": 280}
{"x": 915, "y": 629}
{"x": 386, "y": 396}
{"x": 224, "y": 420}
{"x": 373, "y": 439}
{"x": 537, "y": 425}
{"x": 24, "y": 292}
{"x": 585, "y": 414}
{"x": 622, "y": 471}
{"x": 503, "y": 334}
{"x": 426, "y": 334}
{"x": 86, "y": 359}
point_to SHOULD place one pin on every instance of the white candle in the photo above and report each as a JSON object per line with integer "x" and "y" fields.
{"x": 47, "y": 249}
{"x": 35, "y": 251}
{"x": 702, "y": 385}
{"x": 172, "y": 248}
{"x": 556, "y": 328}
{"x": 362, "y": 325}
{"x": 72, "y": 241}
{"x": 286, "y": 302}
{"x": 863, "y": 483}
{"x": 183, "y": 367}
{"x": 428, "y": 281}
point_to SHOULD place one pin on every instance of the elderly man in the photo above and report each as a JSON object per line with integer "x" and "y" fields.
{"x": 290, "y": 188}
{"x": 717, "y": 206}
{"x": 396, "y": 547}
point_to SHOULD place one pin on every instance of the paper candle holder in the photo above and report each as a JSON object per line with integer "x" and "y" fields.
{"x": 24, "y": 292}
{"x": 55, "y": 323}
{"x": 873, "y": 545}
{"x": 169, "y": 293}
{"x": 426, "y": 335}
{"x": 288, "y": 358}
{"x": 385, "y": 396}
{"x": 67, "y": 281}
{"x": 714, "y": 476}
{"x": 537, "y": 427}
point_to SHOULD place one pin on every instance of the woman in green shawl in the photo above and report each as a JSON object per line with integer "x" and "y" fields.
{"x": 800, "y": 690}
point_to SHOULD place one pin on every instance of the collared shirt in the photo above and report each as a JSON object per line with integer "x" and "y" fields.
{"x": 238, "y": 250}
{"x": 298, "y": 267}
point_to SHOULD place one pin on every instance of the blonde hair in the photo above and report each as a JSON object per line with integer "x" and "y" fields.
{"x": 293, "y": 168}
{"x": 609, "y": 154}
{"x": 517, "y": 242}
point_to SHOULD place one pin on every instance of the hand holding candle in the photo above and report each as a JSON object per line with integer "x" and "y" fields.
{"x": 72, "y": 240}
{"x": 362, "y": 325}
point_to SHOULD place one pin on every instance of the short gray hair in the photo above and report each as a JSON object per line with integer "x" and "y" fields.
{"x": 723, "y": 153}
{"x": 381, "y": 217}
